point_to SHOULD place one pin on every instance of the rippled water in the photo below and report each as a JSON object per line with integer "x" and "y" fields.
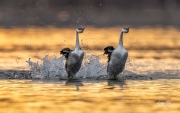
{"x": 30, "y": 68}
{"x": 31, "y": 96}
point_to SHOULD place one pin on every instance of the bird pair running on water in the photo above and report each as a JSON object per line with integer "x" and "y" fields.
{"x": 116, "y": 57}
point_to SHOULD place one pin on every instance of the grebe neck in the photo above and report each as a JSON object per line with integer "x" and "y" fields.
{"x": 77, "y": 40}
{"x": 121, "y": 39}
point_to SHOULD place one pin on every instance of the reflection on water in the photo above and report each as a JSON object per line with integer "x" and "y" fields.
{"x": 26, "y": 96}
{"x": 116, "y": 82}
{"x": 152, "y": 71}
{"x": 76, "y": 83}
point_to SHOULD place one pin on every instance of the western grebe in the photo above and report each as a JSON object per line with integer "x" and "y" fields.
{"x": 116, "y": 57}
{"x": 74, "y": 57}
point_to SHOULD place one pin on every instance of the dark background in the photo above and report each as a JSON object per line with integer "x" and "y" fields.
{"x": 95, "y": 13}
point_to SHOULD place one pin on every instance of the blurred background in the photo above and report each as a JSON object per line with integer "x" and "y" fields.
{"x": 96, "y": 13}
{"x": 35, "y": 28}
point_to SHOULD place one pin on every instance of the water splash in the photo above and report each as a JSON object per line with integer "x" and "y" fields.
{"x": 54, "y": 67}
{"x": 92, "y": 67}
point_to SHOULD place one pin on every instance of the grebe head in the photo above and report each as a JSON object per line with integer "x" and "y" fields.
{"x": 125, "y": 30}
{"x": 108, "y": 49}
{"x": 80, "y": 30}
{"x": 65, "y": 52}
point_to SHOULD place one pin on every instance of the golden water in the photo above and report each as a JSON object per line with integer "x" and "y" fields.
{"x": 26, "y": 96}
{"x": 152, "y": 51}
{"x": 19, "y": 44}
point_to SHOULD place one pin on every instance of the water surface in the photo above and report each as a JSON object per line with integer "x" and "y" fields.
{"x": 30, "y": 67}
{"x": 137, "y": 96}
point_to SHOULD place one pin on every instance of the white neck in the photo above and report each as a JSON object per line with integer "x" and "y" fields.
{"x": 121, "y": 39}
{"x": 77, "y": 40}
